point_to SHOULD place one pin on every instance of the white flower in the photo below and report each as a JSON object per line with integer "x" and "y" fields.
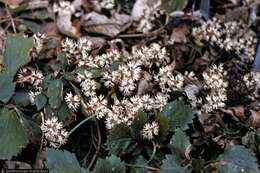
{"x": 73, "y": 102}
{"x": 231, "y": 36}
{"x": 54, "y": 132}
{"x": 38, "y": 41}
{"x": 169, "y": 82}
{"x": 108, "y": 4}
{"x": 215, "y": 80}
{"x": 33, "y": 95}
{"x": 150, "y": 130}
{"x": 98, "y": 107}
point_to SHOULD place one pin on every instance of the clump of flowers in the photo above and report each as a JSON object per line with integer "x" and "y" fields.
{"x": 252, "y": 82}
{"x": 32, "y": 77}
{"x": 76, "y": 51}
{"x": 38, "y": 41}
{"x": 54, "y": 132}
{"x": 73, "y": 101}
{"x": 150, "y": 130}
{"x": 123, "y": 72}
{"x": 232, "y": 36}
{"x": 151, "y": 12}
{"x": 215, "y": 81}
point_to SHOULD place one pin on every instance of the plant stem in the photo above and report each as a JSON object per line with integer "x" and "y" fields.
{"x": 78, "y": 125}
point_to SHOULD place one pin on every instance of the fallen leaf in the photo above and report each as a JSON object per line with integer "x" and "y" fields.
{"x": 255, "y": 119}
{"x": 101, "y": 24}
{"x": 179, "y": 34}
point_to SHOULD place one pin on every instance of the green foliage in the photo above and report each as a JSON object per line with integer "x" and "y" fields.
{"x": 119, "y": 139}
{"x": 173, "y": 5}
{"x": 139, "y": 122}
{"x": 16, "y": 55}
{"x": 111, "y": 164}
{"x": 13, "y": 136}
{"x": 171, "y": 165}
{"x": 54, "y": 93}
{"x": 237, "y": 159}
{"x": 62, "y": 162}
{"x": 179, "y": 114}
{"x": 40, "y": 101}
{"x": 179, "y": 144}
{"x": 163, "y": 128}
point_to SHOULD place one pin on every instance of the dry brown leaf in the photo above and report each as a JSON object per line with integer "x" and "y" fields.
{"x": 179, "y": 34}
{"x": 12, "y": 3}
{"x": 255, "y": 119}
{"x": 97, "y": 23}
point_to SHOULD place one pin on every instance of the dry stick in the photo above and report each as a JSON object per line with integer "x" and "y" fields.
{"x": 11, "y": 18}
{"x": 98, "y": 147}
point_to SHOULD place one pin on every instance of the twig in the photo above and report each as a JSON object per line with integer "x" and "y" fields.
{"x": 98, "y": 147}
{"x": 11, "y": 18}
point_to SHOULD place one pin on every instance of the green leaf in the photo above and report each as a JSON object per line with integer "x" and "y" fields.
{"x": 64, "y": 112}
{"x": 13, "y": 136}
{"x": 111, "y": 164}
{"x": 54, "y": 93}
{"x": 139, "y": 122}
{"x": 179, "y": 114}
{"x": 171, "y": 165}
{"x": 21, "y": 98}
{"x": 137, "y": 160}
{"x": 179, "y": 143}
{"x": 16, "y": 55}
{"x": 238, "y": 159}
{"x": 119, "y": 139}
{"x": 163, "y": 128}
{"x": 173, "y": 5}
{"x": 40, "y": 101}
{"x": 62, "y": 162}
{"x": 7, "y": 87}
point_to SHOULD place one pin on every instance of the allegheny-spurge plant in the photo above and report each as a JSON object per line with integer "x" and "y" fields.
{"x": 134, "y": 106}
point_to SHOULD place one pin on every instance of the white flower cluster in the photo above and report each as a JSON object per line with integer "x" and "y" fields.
{"x": 149, "y": 55}
{"x": 38, "y": 41}
{"x": 122, "y": 71}
{"x": 169, "y": 82}
{"x": 76, "y": 50}
{"x": 63, "y": 7}
{"x": 215, "y": 80}
{"x": 150, "y": 130}
{"x": 252, "y": 81}
{"x": 126, "y": 110}
{"x": 151, "y": 13}
{"x": 73, "y": 101}
{"x": 54, "y": 132}
{"x": 87, "y": 83}
{"x": 108, "y": 4}
{"x": 231, "y": 36}
{"x": 32, "y": 77}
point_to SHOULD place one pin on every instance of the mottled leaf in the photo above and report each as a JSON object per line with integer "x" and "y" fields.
{"x": 62, "y": 162}
{"x": 238, "y": 159}
{"x": 119, "y": 139}
{"x": 54, "y": 93}
{"x": 13, "y": 136}
{"x": 179, "y": 114}
{"x": 111, "y": 164}
{"x": 171, "y": 165}
{"x": 179, "y": 143}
